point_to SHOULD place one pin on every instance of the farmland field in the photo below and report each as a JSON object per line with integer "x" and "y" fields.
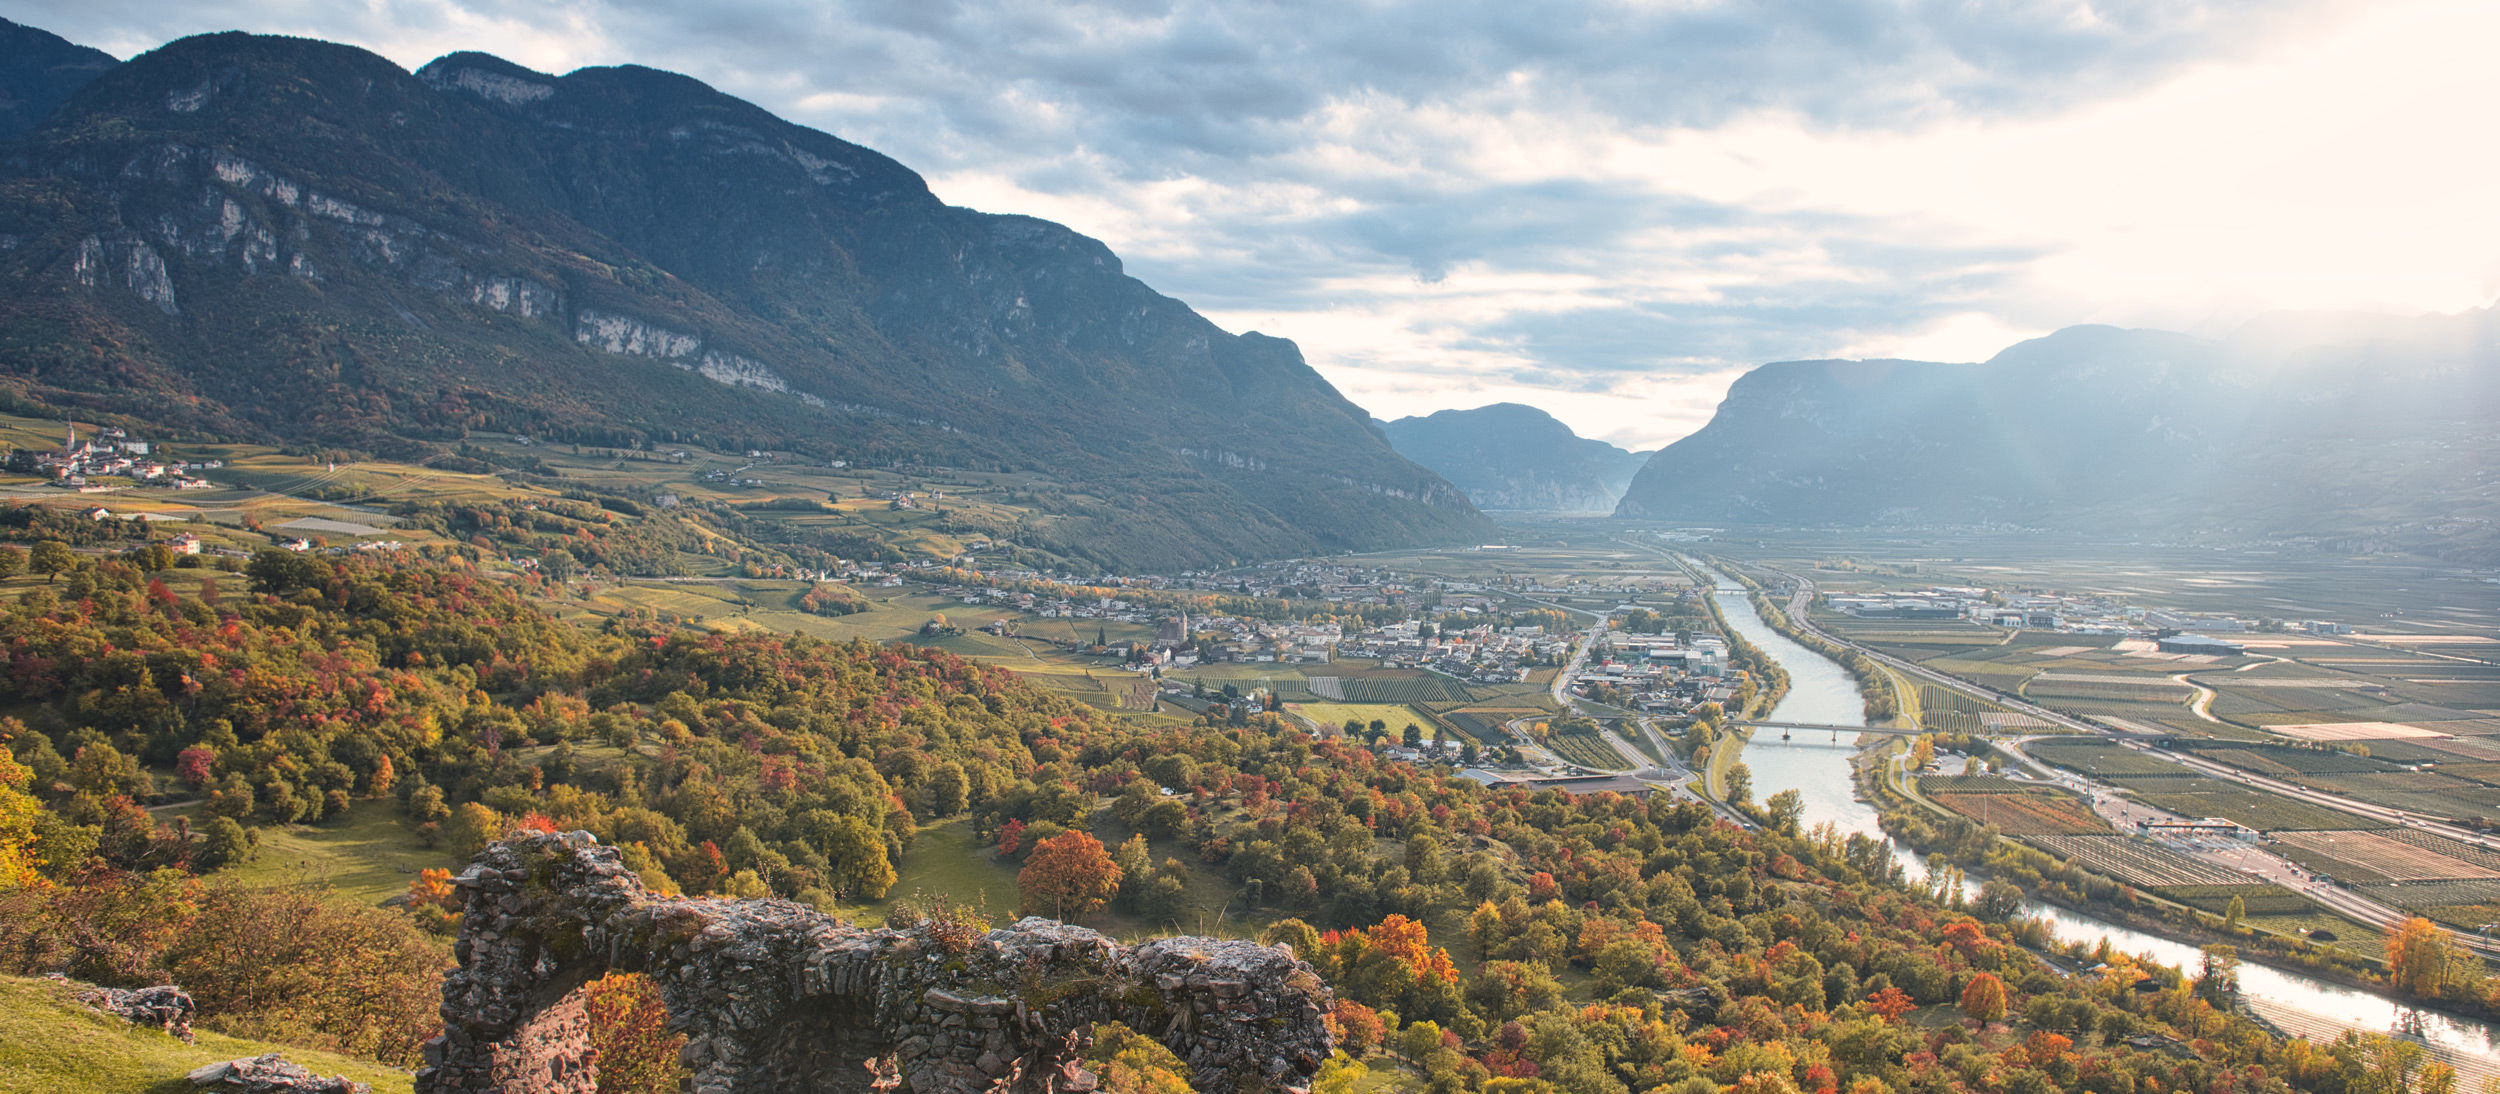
{"x": 2442, "y": 845}
{"x": 2100, "y": 758}
{"x": 1389, "y": 687}
{"x": 2255, "y": 900}
{"x": 1583, "y": 747}
{"x": 1396, "y": 715}
{"x": 1485, "y": 725}
{"x": 2196, "y": 796}
{"x": 2429, "y": 894}
{"x": 2136, "y": 862}
{"x": 2024, "y": 814}
{"x": 2281, "y": 761}
{"x": 2369, "y": 856}
{"x": 1971, "y": 784}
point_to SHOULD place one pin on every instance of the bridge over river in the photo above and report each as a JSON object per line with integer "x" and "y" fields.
{"x": 1817, "y": 727}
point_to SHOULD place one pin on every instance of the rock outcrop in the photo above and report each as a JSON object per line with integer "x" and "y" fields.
{"x": 774, "y": 996}
{"x": 271, "y": 1074}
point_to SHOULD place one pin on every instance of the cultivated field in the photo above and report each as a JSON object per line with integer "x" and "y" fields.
{"x": 2380, "y": 857}
{"x": 1485, "y": 724}
{"x": 2136, "y": 862}
{"x": 1585, "y": 748}
{"x": 2100, "y": 759}
{"x": 2024, "y": 814}
{"x": 2196, "y": 796}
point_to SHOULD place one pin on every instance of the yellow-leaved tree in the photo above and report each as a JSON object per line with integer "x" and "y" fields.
{"x": 2420, "y": 956}
{"x": 18, "y": 813}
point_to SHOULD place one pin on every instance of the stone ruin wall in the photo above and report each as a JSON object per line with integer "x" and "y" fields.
{"x": 774, "y": 996}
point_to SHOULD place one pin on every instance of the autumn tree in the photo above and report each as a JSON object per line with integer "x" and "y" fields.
{"x": 19, "y": 815}
{"x": 1891, "y": 1003}
{"x": 629, "y": 1035}
{"x": 2419, "y": 957}
{"x": 1984, "y": 999}
{"x": 1068, "y": 876}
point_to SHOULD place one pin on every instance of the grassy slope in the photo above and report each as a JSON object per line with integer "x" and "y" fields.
{"x": 367, "y": 856}
{"x": 49, "y": 1045}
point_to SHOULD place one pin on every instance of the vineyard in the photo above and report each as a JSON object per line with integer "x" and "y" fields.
{"x": 1943, "y": 710}
{"x": 2363, "y": 857}
{"x": 1971, "y": 784}
{"x": 2145, "y": 865}
{"x": 2462, "y": 852}
{"x": 1583, "y": 747}
{"x": 1486, "y": 725}
{"x": 2283, "y": 762}
{"x": 2111, "y": 688}
{"x": 1418, "y": 688}
{"x": 2196, "y": 796}
{"x": 2100, "y": 758}
{"x": 2024, "y": 814}
{"x": 2414, "y": 895}
{"x": 2255, "y": 900}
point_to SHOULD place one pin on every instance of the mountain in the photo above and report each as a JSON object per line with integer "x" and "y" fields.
{"x": 291, "y": 240}
{"x": 1508, "y": 456}
{"x": 2368, "y": 432}
{"x": 38, "y": 71}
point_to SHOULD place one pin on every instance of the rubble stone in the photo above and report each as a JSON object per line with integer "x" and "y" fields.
{"x": 166, "y": 1007}
{"x": 271, "y": 1074}
{"x": 774, "y": 996}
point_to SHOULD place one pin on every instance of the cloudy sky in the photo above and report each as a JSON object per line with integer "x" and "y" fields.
{"x": 1609, "y": 208}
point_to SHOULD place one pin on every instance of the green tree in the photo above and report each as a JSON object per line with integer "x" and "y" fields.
{"x": 426, "y": 804}
{"x": 858, "y": 859}
{"x": 1786, "y": 808}
{"x": 51, "y": 558}
{"x": 226, "y": 844}
{"x": 1739, "y": 783}
{"x": 12, "y": 562}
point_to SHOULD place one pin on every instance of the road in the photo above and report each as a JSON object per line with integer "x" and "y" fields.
{"x": 1677, "y": 778}
{"x": 2268, "y": 866}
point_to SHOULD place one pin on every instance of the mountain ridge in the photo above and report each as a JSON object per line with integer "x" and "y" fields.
{"x": 298, "y": 240}
{"x": 2371, "y": 442}
{"x": 1514, "y": 456}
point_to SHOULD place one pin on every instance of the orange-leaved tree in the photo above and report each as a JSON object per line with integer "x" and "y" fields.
{"x": 1984, "y": 999}
{"x": 1067, "y": 876}
{"x": 2419, "y": 956}
{"x": 1891, "y": 1003}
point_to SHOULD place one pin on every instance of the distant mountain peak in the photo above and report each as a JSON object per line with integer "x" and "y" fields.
{"x": 40, "y": 70}
{"x": 2374, "y": 436}
{"x": 1515, "y": 456}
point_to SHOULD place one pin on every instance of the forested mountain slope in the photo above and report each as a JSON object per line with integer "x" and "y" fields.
{"x": 1508, "y": 456}
{"x": 285, "y": 239}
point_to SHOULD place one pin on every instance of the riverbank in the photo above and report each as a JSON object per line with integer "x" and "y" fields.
{"x": 1827, "y": 777}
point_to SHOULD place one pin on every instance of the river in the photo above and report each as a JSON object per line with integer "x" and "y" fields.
{"x": 1821, "y": 692}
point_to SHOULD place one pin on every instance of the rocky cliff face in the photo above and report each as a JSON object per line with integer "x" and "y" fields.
{"x": 1508, "y": 456}
{"x": 288, "y": 238}
{"x": 2293, "y": 429}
